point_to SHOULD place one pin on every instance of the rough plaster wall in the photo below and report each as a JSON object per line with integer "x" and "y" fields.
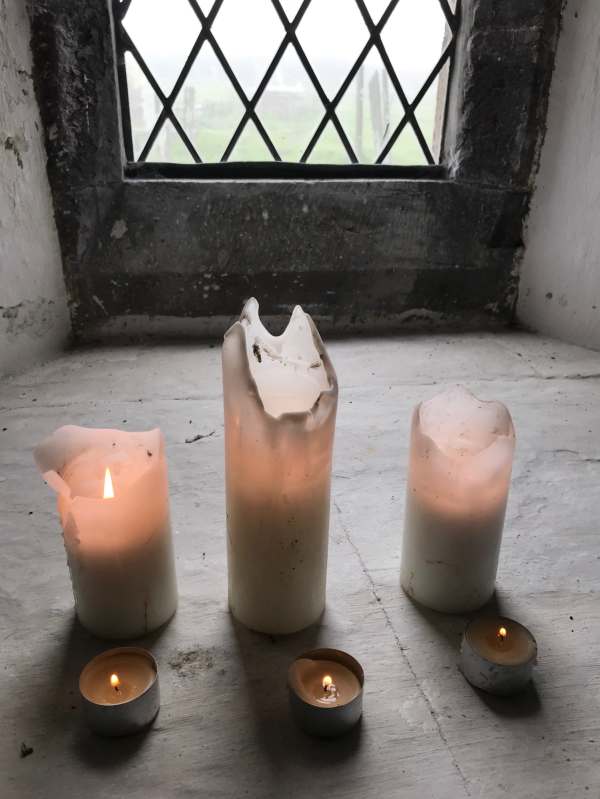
{"x": 560, "y": 279}
{"x": 34, "y": 319}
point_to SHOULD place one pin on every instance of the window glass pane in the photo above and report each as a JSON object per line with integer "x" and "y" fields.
{"x": 329, "y": 148}
{"x": 332, "y": 33}
{"x": 169, "y": 148}
{"x": 291, "y": 7}
{"x": 250, "y": 146}
{"x": 329, "y": 70}
{"x": 376, "y": 8}
{"x": 164, "y": 34}
{"x": 144, "y": 105}
{"x": 406, "y": 150}
{"x": 208, "y": 107}
{"x": 427, "y": 115}
{"x": 414, "y": 38}
{"x": 249, "y": 33}
{"x": 290, "y": 108}
{"x": 370, "y": 110}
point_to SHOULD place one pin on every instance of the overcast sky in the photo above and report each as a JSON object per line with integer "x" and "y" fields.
{"x": 330, "y": 30}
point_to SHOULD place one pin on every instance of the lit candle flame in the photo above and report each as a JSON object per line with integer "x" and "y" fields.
{"x": 502, "y": 634}
{"x": 327, "y": 681}
{"x": 109, "y": 492}
{"x": 115, "y": 681}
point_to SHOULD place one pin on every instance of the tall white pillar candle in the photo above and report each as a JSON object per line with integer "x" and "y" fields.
{"x": 113, "y": 502}
{"x": 280, "y": 395}
{"x": 461, "y": 455}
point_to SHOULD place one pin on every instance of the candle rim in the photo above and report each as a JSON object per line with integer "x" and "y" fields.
{"x": 119, "y": 650}
{"x": 298, "y": 416}
{"x": 458, "y": 387}
{"x": 504, "y": 620}
{"x": 52, "y": 471}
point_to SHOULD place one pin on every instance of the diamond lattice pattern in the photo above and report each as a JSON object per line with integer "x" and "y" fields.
{"x": 302, "y": 81}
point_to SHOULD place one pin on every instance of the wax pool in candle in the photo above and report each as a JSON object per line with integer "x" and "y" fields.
{"x": 280, "y": 395}
{"x": 113, "y": 502}
{"x": 118, "y": 678}
{"x": 323, "y": 683}
{"x": 501, "y": 640}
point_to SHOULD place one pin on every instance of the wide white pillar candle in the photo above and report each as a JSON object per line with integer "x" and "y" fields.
{"x": 280, "y": 395}
{"x": 461, "y": 455}
{"x": 113, "y": 502}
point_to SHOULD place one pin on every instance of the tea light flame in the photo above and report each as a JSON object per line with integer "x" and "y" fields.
{"x": 502, "y": 634}
{"x": 327, "y": 682}
{"x": 115, "y": 681}
{"x": 109, "y": 492}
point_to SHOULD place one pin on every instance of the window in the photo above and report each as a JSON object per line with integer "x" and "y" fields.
{"x": 149, "y": 246}
{"x": 332, "y": 82}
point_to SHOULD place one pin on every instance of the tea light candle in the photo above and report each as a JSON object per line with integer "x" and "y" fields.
{"x": 113, "y": 502}
{"x": 326, "y": 688}
{"x": 458, "y": 479}
{"x": 498, "y": 654}
{"x": 120, "y": 692}
{"x": 280, "y": 395}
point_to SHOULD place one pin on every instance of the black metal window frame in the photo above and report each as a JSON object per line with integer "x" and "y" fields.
{"x": 277, "y": 168}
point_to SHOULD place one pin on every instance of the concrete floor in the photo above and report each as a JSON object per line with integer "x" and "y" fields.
{"x": 224, "y": 728}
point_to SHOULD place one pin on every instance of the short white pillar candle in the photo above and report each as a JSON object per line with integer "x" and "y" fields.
{"x": 113, "y": 502}
{"x": 280, "y": 395}
{"x": 461, "y": 456}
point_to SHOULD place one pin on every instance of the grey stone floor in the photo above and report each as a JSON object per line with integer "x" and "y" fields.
{"x": 224, "y": 728}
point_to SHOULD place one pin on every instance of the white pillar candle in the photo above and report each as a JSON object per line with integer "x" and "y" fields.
{"x": 280, "y": 395}
{"x": 113, "y": 502}
{"x": 459, "y": 474}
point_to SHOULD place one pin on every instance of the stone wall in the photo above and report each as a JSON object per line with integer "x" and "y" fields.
{"x": 560, "y": 277}
{"x": 34, "y": 320}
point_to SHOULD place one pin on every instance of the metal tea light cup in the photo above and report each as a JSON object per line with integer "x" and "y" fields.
{"x": 127, "y": 717}
{"x": 488, "y": 673}
{"x": 327, "y": 722}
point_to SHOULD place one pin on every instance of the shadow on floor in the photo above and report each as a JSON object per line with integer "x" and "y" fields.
{"x": 451, "y": 628}
{"x": 526, "y": 703}
{"x": 265, "y": 667}
{"x": 108, "y": 753}
{"x": 59, "y": 701}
